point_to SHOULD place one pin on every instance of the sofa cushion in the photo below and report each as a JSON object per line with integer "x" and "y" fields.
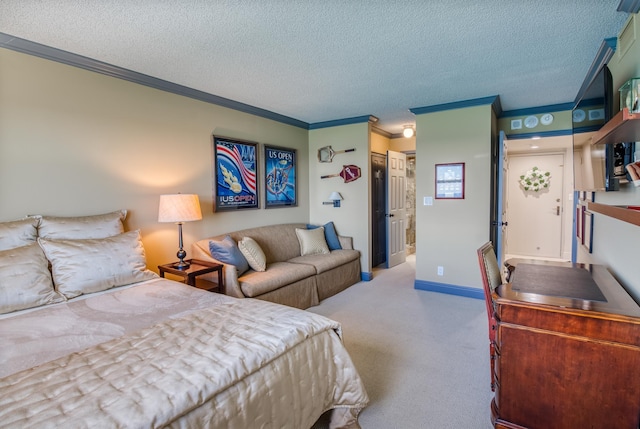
{"x": 227, "y": 251}
{"x": 277, "y": 275}
{"x": 25, "y": 280}
{"x": 330, "y": 234}
{"x": 312, "y": 241}
{"x": 253, "y": 253}
{"x": 18, "y": 233}
{"x": 324, "y": 263}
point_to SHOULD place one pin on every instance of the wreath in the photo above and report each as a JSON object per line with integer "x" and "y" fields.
{"x": 535, "y": 179}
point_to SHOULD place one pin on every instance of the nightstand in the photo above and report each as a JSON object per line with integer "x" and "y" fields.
{"x": 196, "y": 269}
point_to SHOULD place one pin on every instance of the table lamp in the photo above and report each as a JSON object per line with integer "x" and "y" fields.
{"x": 179, "y": 208}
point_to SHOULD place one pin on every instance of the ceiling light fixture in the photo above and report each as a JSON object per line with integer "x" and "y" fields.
{"x": 408, "y": 131}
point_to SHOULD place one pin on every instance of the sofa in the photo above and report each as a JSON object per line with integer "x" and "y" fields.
{"x": 301, "y": 264}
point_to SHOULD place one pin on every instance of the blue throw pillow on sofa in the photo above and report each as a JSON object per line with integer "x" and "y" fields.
{"x": 227, "y": 251}
{"x": 330, "y": 235}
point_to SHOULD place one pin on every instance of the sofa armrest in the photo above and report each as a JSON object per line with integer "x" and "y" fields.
{"x": 346, "y": 242}
{"x": 200, "y": 250}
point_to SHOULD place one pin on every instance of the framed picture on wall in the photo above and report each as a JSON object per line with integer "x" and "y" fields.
{"x": 235, "y": 177}
{"x": 450, "y": 180}
{"x": 280, "y": 177}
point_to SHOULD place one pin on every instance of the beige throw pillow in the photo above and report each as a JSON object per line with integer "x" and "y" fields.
{"x": 25, "y": 280}
{"x": 82, "y": 227}
{"x": 253, "y": 254}
{"x": 85, "y": 266}
{"x": 312, "y": 241}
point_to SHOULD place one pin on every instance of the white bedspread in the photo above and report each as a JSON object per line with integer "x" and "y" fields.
{"x": 233, "y": 364}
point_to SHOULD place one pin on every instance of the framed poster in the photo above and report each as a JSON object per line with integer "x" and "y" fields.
{"x": 450, "y": 180}
{"x": 280, "y": 181}
{"x": 235, "y": 174}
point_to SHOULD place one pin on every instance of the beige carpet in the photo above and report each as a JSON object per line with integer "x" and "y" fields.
{"x": 423, "y": 356}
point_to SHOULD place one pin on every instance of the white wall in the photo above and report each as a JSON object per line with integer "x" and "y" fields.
{"x": 353, "y": 216}
{"x": 74, "y": 142}
{"x": 449, "y": 232}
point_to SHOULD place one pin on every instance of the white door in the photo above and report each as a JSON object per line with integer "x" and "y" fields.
{"x": 396, "y": 208}
{"x": 535, "y": 217}
{"x": 501, "y": 214}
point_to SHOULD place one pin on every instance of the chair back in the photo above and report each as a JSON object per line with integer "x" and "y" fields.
{"x": 491, "y": 279}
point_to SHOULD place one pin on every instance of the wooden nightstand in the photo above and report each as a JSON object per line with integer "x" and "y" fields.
{"x": 197, "y": 268}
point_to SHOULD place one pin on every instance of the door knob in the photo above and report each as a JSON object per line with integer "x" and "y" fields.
{"x": 557, "y": 210}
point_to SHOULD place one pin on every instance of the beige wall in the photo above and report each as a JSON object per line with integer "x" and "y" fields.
{"x": 615, "y": 243}
{"x": 73, "y": 142}
{"x": 353, "y": 216}
{"x": 449, "y": 232}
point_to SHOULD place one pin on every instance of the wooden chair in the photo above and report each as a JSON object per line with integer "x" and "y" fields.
{"x": 491, "y": 279}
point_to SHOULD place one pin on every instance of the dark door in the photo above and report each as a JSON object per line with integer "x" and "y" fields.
{"x": 379, "y": 198}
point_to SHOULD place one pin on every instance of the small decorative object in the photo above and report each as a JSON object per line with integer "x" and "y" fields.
{"x": 235, "y": 178}
{"x": 634, "y": 172}
{"x": 535, "y": 180}
{"x": 629, "y": 93}
{"x": 349, "y": 173}
{"x": 179, "y": 208}
{"x": 280, "y": 177}
{"x": 325, "y": 154}
{"x": 450, "y": 181}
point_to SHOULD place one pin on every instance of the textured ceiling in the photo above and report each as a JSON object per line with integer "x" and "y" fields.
{"x": 325, "y": 60}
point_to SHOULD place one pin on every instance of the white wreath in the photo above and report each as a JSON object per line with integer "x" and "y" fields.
{"x": 535, "y": 180}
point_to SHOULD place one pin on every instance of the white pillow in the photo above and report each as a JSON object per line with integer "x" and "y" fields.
{"x": 253, "y": 253}
{"x": 312, "y": 241}
{"x": 82, "y": 227}
{"x": 92, "y": 265}
{"x": 18, "y": 233}
{"x": 25, "y": 280}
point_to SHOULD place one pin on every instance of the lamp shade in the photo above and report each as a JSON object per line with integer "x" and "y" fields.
{"x": 335, "y": 196}
{"x": 179, "y": 208}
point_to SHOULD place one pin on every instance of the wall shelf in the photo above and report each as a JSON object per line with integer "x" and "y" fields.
{"x": 618, "y": 212}
{"x": 624, "y": 127}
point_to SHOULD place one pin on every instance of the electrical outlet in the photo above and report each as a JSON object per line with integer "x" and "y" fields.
{"x": 440, "y": 271}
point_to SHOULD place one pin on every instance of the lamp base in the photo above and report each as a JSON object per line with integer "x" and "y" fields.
{"x": 182, "y": 265}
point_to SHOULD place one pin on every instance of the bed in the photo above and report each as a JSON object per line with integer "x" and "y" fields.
{"x": 158, "y": 353}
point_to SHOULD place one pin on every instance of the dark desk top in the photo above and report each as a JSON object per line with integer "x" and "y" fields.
{"x": 563, "y": 284}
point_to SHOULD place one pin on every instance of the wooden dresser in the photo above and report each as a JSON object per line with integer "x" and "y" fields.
{"x": 565, "y": 362}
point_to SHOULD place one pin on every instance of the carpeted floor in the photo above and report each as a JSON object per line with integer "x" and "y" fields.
{"x": 423, "y": 356}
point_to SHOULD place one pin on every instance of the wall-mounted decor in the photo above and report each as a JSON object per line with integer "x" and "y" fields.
{"x": 325, "y": 154}
{"x": 450, "y": 181}
{"x": 535, "y": 180}
{"x": 280, "y": 169}
{"x": 349, "y": 173}
{"x": 235, "y": 174}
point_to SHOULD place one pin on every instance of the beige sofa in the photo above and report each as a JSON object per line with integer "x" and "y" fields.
{"x": 289, "y": 278}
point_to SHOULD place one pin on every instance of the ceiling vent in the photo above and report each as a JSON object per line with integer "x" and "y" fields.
{"x": 627, "y": 36}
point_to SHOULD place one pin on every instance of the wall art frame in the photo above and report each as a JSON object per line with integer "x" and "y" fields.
{"x": 280, "y": 177}
{"x": 235, "y": 176}
{"x": 450, "y": 181}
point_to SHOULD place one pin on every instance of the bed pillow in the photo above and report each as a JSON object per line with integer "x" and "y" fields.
{"x": 227, "y": 251}
{"x": 253, "y": 253}
{"x": 92, "y": 265}
{"x": 330, "y": 235}
{"x": 18, "y": 233}
{"x": 25, "y": 280}
{"x": 312, "y": 241}
{"x": 82, "y": 227}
